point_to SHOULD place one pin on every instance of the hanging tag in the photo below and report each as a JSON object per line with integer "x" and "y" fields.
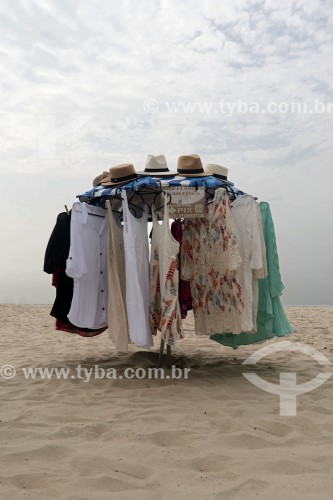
{"x": 186, "y": 202}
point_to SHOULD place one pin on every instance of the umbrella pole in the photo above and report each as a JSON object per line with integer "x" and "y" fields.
{"x": 160, "y": 358}
{"x": 169, "y": 356}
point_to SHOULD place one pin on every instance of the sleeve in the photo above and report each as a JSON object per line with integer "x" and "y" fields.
{"x": 54, "y": 253}
{"x": 256, "y": 260}
{"x": 75, "y": 264}
{"x": 261, "y": 273}
{"x": 273, "y": 267}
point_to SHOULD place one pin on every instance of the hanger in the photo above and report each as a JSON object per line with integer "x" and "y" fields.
{"x": 168, "y": 202}
{"x": 147, "y": 189}
{"x": 131, "y": 204}
{"x": 100, "y": 205}
{"x": 208, "y": 195}
{"x": 116, "y": 196}
{"x": 97, "y": 215}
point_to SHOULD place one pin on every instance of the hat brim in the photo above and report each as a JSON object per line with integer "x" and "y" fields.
{"x": 202, "y": 174}
{"x": 226, "y": 181}
{"x": 109, "y": 184}
{"x": 142, "y": 173}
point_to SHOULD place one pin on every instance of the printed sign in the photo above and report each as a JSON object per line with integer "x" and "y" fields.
{"x": 186, "y": 202}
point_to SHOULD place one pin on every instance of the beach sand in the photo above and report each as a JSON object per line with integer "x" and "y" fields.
{"x": 212, "y": 436}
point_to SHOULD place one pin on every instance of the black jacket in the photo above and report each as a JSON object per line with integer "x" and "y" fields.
{"x": 56, "y": 254}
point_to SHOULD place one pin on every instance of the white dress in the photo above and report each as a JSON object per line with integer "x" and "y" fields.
{"x": 137, "y": 275}
{"x": 245, "y": 215}
{"x": 87, "y": 265}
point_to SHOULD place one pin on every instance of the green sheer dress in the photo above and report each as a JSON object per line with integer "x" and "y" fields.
{"x": 271, "y": 318}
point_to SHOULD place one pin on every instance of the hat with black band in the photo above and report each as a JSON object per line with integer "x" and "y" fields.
{"x": 156, "y": 166}
{"x": 120, "y": 174}
{"x": 219, "y": 172}
{"x": 190, "y": 166}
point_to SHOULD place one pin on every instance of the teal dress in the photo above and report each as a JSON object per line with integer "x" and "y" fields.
{"x": 271, "y": 318}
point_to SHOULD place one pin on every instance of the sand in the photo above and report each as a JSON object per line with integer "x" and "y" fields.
{"x": 212, "y": 436}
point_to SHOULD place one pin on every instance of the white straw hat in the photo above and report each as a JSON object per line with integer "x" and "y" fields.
{"x": 219, "y": 172}
{"x": 156, "y": 166}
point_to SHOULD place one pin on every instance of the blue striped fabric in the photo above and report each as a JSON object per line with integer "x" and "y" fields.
{"x": 158, "y": 183}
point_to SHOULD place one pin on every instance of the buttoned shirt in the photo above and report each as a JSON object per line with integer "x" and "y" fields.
{"x": 87, "y": 265}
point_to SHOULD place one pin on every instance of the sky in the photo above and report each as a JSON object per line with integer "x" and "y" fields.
{"x": 86, "y": 85}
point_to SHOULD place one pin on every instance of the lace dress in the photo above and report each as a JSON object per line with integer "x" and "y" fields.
{"x": 211, "y": 258}
{"x": 245, "y": 215}
{"x": 271, "y": 318}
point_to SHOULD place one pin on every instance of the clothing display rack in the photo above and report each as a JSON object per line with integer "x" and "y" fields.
{"x": 142, "y": 195}
{"x": 220, "y": 260}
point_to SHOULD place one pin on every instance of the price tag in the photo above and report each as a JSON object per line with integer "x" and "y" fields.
{"x": 186, "y": 202}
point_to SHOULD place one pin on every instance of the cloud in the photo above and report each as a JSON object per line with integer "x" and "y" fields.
{"x": 74, "y": 79}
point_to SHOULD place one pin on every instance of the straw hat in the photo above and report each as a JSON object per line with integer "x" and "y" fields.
{"x": 99, "y": 178}
{"x": 218, "y": 171}
{"x": 120, "y": 174}
{"x": 190, "y": 166}
{"x": 156, "y": 166}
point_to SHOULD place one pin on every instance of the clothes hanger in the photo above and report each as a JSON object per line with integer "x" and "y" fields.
{"x": 208, "y": 195}
{"x": 116, "y": 196}
{"x": 168, "y": 202}
{"x": 146, "y": 189}
{"x": 131, "y": 204}
{"x": 98, "y": 203}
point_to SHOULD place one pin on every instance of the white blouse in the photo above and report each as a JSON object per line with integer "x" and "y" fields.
{"x": 245, "y": 215}
{"x": 87, "y": 265}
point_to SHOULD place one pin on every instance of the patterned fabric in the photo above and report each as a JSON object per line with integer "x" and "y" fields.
{"x": 271, "y": 318}
{"x": 67, "y": 326}
{"x": 55, "y": 278}
{"x": 164, "y": 281}
{"x": 210, "y": 258}
{"x": 184, "y": 290}
{"x": 157, "y": 183}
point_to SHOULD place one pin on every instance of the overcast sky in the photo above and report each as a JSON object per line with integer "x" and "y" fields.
{"x": 88, "y": 84}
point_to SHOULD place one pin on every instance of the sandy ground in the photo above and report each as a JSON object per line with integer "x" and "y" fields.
{"x": 212, "y": 436}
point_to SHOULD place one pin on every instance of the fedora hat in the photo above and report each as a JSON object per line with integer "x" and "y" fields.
{"x": 156, "y": 166}
{"x": 100, "y": 178}
{"x": 190, "y": 166}
{"x": 120, "y": 174}
{"x": 218, "y": 171}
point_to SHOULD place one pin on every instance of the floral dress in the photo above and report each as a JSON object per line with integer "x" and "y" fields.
{"x": 271, "y": 317}
{"x": 210, "y": 258}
